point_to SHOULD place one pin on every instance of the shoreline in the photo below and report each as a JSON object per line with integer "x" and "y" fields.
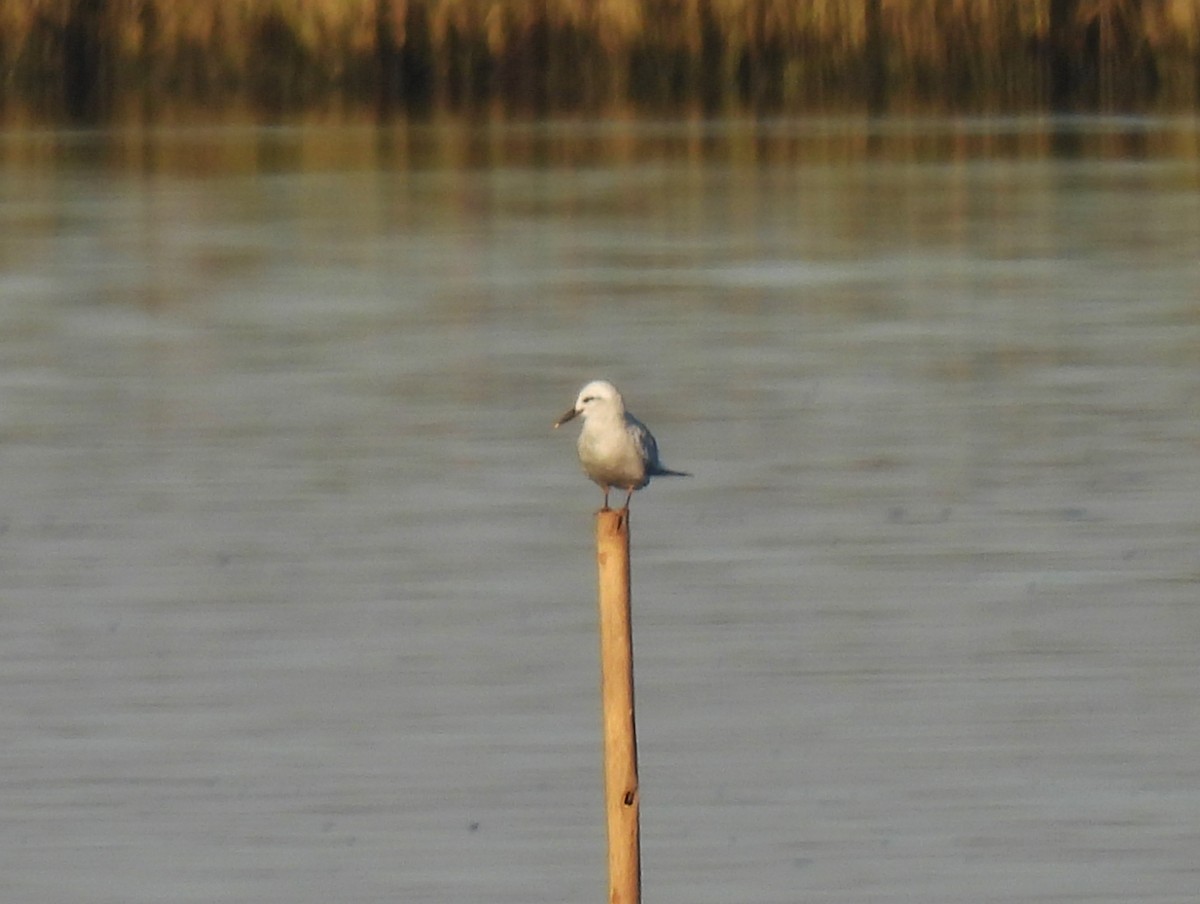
{"x": 89, "y": 58}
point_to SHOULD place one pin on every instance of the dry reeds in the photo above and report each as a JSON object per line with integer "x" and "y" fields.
{"x": 572, "y": 53}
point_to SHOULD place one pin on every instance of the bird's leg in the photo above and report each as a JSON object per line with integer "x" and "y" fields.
{"x": 627, "y": 498}
{"x": 605, "y": 509}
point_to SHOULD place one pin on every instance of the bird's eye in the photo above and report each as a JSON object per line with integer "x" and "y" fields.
{"x": 590, "y": 398}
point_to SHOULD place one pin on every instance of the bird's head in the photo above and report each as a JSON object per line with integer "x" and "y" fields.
{"x": 597, "y": 396}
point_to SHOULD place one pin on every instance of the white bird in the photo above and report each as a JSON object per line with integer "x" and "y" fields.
{"x": 615, "y": 448}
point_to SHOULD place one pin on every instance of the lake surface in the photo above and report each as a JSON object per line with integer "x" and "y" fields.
{"x": 298, "y": 583}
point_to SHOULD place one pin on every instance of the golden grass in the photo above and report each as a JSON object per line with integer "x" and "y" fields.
{"x": 579, "y": 52}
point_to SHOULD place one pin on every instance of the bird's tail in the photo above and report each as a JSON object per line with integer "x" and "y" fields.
{"x": 667, "y": 472}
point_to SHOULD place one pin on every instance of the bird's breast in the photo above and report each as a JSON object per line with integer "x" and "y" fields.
{"x": 611, "y": 458}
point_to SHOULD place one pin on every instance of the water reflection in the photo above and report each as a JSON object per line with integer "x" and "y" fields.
{"x": 298, "y": 580}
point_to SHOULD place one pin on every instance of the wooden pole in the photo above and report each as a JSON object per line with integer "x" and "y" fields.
{"x": 616, "y": 690}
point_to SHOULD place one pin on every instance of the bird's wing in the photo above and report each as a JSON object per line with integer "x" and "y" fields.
{"x": 643, "y": 439}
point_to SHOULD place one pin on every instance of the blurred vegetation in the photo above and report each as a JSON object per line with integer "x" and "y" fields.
{"x": 88, "y": 57}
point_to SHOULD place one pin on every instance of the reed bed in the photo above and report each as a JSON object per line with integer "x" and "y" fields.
{"x": 579, "y": 53}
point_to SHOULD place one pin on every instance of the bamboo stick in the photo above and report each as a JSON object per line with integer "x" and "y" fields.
{"x": 616, "y": 689}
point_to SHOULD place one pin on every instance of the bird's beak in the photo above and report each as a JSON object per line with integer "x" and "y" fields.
{"x": 566, "y": 417}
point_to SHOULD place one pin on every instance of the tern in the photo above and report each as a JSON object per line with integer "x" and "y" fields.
{"x": 615, "y": 448}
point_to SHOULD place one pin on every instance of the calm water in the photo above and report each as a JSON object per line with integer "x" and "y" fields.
{"x": 298, "y": 591}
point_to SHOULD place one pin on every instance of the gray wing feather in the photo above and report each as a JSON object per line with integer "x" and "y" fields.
{"x": 644, "y": 440}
